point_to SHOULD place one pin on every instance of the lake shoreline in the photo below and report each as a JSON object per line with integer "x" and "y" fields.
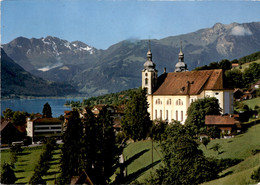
{"x": 35, "y": 105}
{"x": 42, "y": 97}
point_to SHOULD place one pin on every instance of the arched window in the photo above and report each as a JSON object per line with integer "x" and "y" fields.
{"x": 179, "y": 102}
{"x": 158, "y": 101}
{"x": 169, "y": 102}
{"x": 176, "y": 115}
{"x": 146, "y": 81}
{"x": 155, "y": 114}
{"x": 160, "y": 114}
{"x": 166, "y": 114}
{"x": 181, "y": 115}
{"x": 146, "y": 74}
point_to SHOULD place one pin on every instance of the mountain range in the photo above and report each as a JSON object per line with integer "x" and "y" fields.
{"x": 15, "y": 82}
{"x": 94, "y": 72}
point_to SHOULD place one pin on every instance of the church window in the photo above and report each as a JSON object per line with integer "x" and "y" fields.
{"x": 176, "y": 115}
{"x": 160, "y": 114}
{"x": 181, "y": 115}
{"x": 146, "y": 81}
{"x": 179, "y": 102}
{"x": 146, "y": 74}
{"x": 155, "y": 114}
{"x": 158, "y": 101}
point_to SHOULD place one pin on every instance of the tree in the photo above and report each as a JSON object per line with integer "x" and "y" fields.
{"x": 7, "y": 174}
{"x": 198, "y": 110}
{"x": 252, "y": 73}
{"x": 234, "y": 78}
{"x": 43, "y": 165}
{"x": 256, "y": 175}
{"x": 184, "y": 163}
{"x": 214, "y": 132}
{"x": 8, "y": 113}
{"x": 99, "y": 148}
{"x": 19, "y": 118}
{"x": 225, "y": 64}
{"x": 108, "y": 148}
{"x": 205, "y": 141}
{"x": 15, "y": 150}
{"x": 216, "y": 147}
{"x": 36, "y": 179}
{"x": 46, "y": 111}
{"x": 158, "y": 129}
{"x": 136, "y": 122}
{"x": 71, "y": 156}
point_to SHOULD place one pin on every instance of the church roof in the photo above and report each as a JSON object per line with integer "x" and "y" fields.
{"x": 190, "y": 82}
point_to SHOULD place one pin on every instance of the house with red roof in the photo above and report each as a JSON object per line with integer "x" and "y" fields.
{"x": 228, "y": 124}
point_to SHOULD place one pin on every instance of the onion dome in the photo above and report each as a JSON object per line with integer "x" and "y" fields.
{"x": 149, "y": 63}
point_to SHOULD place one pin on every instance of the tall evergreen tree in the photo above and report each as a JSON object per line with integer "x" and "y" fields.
{"x": 7, "y": 174}
{"x": 71, "y": 155}
{"x": 89, "y": 150}
{"x": 136, "y": 122}
{"x": 99, "y": 146}
{"x": 107, "y": 144}
{"x": 46, "y": 111}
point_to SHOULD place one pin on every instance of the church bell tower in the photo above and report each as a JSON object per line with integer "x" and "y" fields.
{"x": 149, "y": 73}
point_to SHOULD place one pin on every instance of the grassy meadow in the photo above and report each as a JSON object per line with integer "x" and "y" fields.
{"x": 252, "y": 103}
{"x": 246, "y": 65}
{"x": 24, "y": 167}
{"x": 138, "y": 158}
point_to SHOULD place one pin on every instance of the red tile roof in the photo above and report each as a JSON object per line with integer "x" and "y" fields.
{"x": 221, "y": 120}
{"x": 191, "y": 82}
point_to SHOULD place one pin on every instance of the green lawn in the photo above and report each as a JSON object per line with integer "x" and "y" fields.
{"x": 246, "y": 65}
{"x": 138, "y": 157}
{"x": 239, "y": 174}
{"x": 25, "y": 164}
{"x": 239, "y": 147}
{"x": 252, "y": 103}
{"x": 24, "y": 167}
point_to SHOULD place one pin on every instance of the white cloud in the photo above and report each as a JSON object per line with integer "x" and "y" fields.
{"x": 240, "y": 31}
{"x": 47, "y": 68}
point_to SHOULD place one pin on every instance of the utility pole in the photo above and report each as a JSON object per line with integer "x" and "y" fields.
{"x": 152, "y": 153}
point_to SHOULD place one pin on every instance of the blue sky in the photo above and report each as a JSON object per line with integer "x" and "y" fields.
{"x": 105, "y": 22}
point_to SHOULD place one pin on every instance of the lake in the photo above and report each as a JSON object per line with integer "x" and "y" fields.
{"x": 36, "y": 105}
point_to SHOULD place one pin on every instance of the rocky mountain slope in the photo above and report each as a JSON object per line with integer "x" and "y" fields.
{"x": 96, "y": 72}
{"x": 15, "y": 81}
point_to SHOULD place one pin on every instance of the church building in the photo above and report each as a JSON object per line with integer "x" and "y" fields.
{"x": 170, "y": 94}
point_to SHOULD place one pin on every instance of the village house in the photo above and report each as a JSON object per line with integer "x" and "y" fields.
{"x": 228, "y": 124}
{"x": 170, "y": 94}
{"x": 238, "y": 93}
{"x": 11, "y": 132}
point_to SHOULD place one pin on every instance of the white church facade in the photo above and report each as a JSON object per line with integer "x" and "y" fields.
{"x": 170, "y": 94}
